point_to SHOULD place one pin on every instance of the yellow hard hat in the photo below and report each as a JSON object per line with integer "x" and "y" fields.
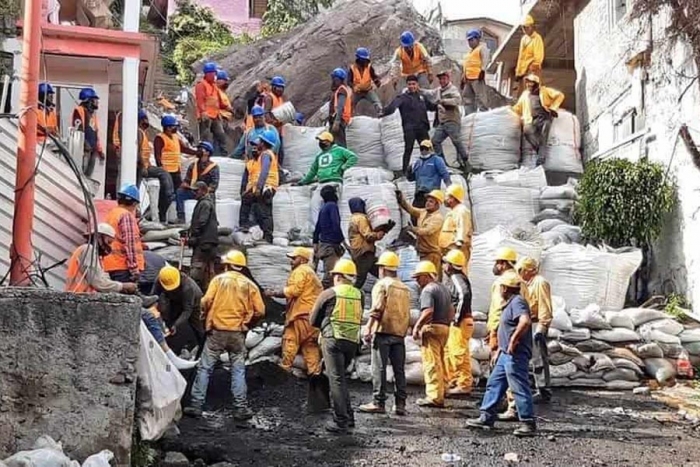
{"x": 510, "y": 278}
{"x": 301, "y": 252}
{"x": 389, "y": 260}
{"x": 506, "y": 253}
{"x": 234, "y": 258}
{"x": 529, "y": 21}
{"x": 526, "y": 264}
{"x": 455, "y": 258}
{"x": 436, "y": 195}
{"x": 426, "y": 143}
{"x": 533, "y": 77}
{"x": 456, "y": 191}
{"x": 424, "y": 267}
{"x": 325, "y": 136}
{"x": 169, "y": 278}
{"x": 346, "y": 267}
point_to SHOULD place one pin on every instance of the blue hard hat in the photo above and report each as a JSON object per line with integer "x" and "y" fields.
{"x": 168, "y": 120}
{"x": 362, "y": 53}
{"x": 257, "y": 111}
{"x": 210, "y": 67}
{"x": 130, "y": 191}
{"x": 255, "y": 141}
{"x": 46, "y": 88}
{"x": 208, "y": 146}
{"x": 340, "y": 74}
{"x": 269, "y": 137}
{"x": 221, "y": 74}
{"x": 474, "y": 34}
{"x": 278, "y": 81}
{"x": 143, "y": 114}
{"x": 299, "y": 117}
{"x": 87, "y": 93}
{"x": 407, "y": 39}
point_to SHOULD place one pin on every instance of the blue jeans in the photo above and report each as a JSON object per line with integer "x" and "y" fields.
{"x": 510, "y": 371}
{"x": 217, "y": 343}
{"x": 153, "y": 325}
{"x": 182, "y": 195}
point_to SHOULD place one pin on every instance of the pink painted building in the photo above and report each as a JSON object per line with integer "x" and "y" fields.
{"x": 242, "y": 16}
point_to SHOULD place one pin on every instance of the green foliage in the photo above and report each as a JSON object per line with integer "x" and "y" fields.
{"x": 142, "y": 454}
{"x": 624, "y": 203}
{"x": 283, "y": 15}
{"x": 675, "y": 304}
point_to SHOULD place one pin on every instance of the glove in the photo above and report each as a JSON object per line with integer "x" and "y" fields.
{"x": 482, "y": 76}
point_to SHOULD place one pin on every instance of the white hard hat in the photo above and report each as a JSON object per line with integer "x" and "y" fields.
{"x": 106, "y": 229}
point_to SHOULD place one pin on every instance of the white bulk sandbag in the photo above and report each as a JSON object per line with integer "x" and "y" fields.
{"x": 480, "y": 330}
{"x": 189, "y": 210}
{"x": 576, "y": 335}
{"x": 230, "y": 176}
{"x": 561, "y": 320}
{"x": 269, "y": 265}
{"x": 414, "y": 374}
{"x": 553, "y": 333}
{"x": 392, "y": 141}
{"x": 660, "y": 368}
{"x": 479, "y": 316}
{"x": 502, "y": 205}
{"x": 562, "y": 205}
{"x": 254, "y": 337}
{"x": 666, "y": 325}
{"x": 519, "y": 178}
{"x": 644, "y": 351}
{"x": 290, "y": 210}
{"x": 569, "y": 350}
{"x": 553, "y": 238}
{"x": 616, "y": 335}
{"x": 641, "y": 316}
{"x": 559, "y": 192}
{"x": 227, "y": 213}
{"x": 374, "y": 195}
{"x": 300, "y": 147}
{"x": 479, "y": 350}
{"x": 582, "y": 363}
{"x": 413, "y": 357}
{"x": 364, "y": 138}
{"x": 623, "y": 363}
{"x": 550, "y": 214}
{"x": 367, "y": 176}
{"x": 601, "y": 362}
{"x": 101, "y": 459}
{"x": 559, "y": 358}
{"x": 653, "y": 335}
{"x": 364, "y": 372}
{"x": 590, "y": 317}
{"x": 593, "y": 345}
{"x": 271, "y": 345}
{"x": 690, "y": 335}
{"x": 693, "y": 348}
{"x": 44, "y": 453}
{"x": 492, "y": 139}
{"x": 618, "y": 319}
{"x": 620, "y": 353}
{"x": 476, "y": 368}
{"x": 671, "y": 350}
{"x": 553, "y": 346}
{"x": 573, "y": 232}
{"x": 548, "y": 224}
{"x": 562, "y": 371}
{"x": 562, "y": 150}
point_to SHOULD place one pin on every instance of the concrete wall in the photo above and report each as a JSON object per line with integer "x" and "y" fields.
{"x": 608, "y": 90}
{"x": 68, "y": 370}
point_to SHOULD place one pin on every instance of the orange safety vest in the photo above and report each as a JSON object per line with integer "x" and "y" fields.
{"x": 211, "y": 100}
{"x": 412, "y": 65}
{"x": 226, "y": 102}
{"x": 170, "y": 157}
{"x": 361, "y": 79}
{"x": 47, "y": 118}
{"x": 145, "y": 150}
{"x": 75, "y": 281}
{"x": 347, "y": 110}
{"x": 472, "y": 64}
{"x": 254, "y": 167}
{"x": 116, "y": 140}
{"x": 116, "y": 261}
{"x": 195, "y": 169}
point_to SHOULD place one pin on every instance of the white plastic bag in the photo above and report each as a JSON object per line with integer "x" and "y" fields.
{"x": 101, "y": 459}
{"x": 45, "y": 453}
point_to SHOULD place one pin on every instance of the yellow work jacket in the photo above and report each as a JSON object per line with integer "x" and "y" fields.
{"x": 472, "y": 64}
{"x": 457, "y": 227}
{"x": 427, "y": 230}
{"x": 551, "y": 100}
{"x": 531, "y": 55}
{"x": 232, "y": 301}
{"x": 361, "y": 236}
{"x": 302, "y": 290}
{"x": 391, "y": 303}
{"x": 254, "y": 168}
{"x": 538, "y": 294}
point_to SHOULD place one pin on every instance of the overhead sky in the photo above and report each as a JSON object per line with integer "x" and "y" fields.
{"x": 507, "y": 11}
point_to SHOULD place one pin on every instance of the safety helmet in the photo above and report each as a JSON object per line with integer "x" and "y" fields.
{"x": 168, "y": 120}
{"x": 526, "y": 263}
{"x": 257, "y": 111}
{"x": 222, "y": 75}
{"x": 424, "y": 267}
{"x": 340, "y": 74}
{"x": 87, "y": 93}
{"x": 169, "y": 277}
{"x": 255, "y": 141}
{"x": 46, "y": 88}
{"x": 407, "y": 39}
{"x": 474, "y": 34}
{"x": 301, "y": 252}
{"x": 436, "y": 195}
{"x": 234, "y": 258}
{"x": 529, "y": 21}
{"x": 389, "y": 260}
{"x": 278, "y": 81}
{"x": 455, "y": 258}
{"x": 506, "y": 253}
{"x": 456, "y": 191}
{"x": 346, "y": 267}
{"x": 510, "y": 278}
{"x": 143, "y": 114}
{"x": 299, "y": 117}
{"x": 362, "y": 53}
{"x": 104, "y": 228}
{"x": 326, "y": 136}
{"x": 206, "y": 145}
{"x": 130, "y": 191}
{"x": 533, "y": 77}
{"x": 269, "y": 137}
{"x": 210, "y": 67}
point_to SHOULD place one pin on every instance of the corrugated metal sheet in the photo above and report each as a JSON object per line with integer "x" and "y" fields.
{"x": 59, "y": 212}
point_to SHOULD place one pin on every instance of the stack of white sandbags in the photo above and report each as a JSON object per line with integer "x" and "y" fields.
{"x": 290, "y": 210}
{"x": 554, "y": 221}
{"x": 382, "y": 194}
{"x": 230, "y": 175}
{"x": 492, "y": 139}
{"x": 364, "y": 138}
{"x": 300, "y": 147}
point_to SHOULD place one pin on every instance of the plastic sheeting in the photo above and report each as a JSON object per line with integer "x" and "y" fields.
{"x": 492, "y": 139}
{"x": 562, "y": 151}
{"x": 300, "y": 147}
{"x": 392, "y": 141}
{"x": 374, "y": 195}
{"x": 290, "y": 209}
{"x": 364, "y": 138}
{"x": 230, "y": 176}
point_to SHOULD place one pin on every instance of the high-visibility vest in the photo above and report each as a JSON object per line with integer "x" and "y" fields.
{"x": 195, "y": 169}
{"x": 75, "y": 279}
{"x": 116, "y": 261}
{"x": 346, "y": 317}
{"x": 116, "y": 140}
{"x": 145, "y": 150}
{"x": 225, "y": 102}
{"x": 254, "y": 167}
{"x": 361, "y": 79}
{"x": 472, "y": 64}
{"x": 211, "y": 99}
{"x": 347, "y": 109}
{"x": 170, "y": 157}
{"x": 93, "y": 123}
{"x": 47, "y": 118}
{"x": 412, "y": 65}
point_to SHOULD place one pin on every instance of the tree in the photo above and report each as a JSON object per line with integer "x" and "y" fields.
{"x": 283, "y": 15}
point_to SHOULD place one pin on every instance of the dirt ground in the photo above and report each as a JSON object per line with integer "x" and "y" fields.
{"x": 579, "y": 428}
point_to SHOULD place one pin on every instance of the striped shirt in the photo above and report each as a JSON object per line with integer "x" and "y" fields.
{"x": 130, "y": 236}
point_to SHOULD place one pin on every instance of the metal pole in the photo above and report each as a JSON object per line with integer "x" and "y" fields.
{"x": 21, "y": 254}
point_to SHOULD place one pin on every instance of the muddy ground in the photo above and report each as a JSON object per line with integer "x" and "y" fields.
{"x": 579, "y": 428}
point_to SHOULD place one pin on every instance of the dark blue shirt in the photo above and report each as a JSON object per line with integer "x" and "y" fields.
{"x": 429, "y": 173}
{"x": 328, "y": 228}
{"x": 516, "y": 307}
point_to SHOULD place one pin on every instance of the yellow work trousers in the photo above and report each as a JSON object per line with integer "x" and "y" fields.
{"x": 432, "y": 351}
{"x": 300, "y": 335}
{"x": 458, "y": 362}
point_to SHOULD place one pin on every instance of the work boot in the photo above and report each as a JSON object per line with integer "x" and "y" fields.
{"x": 482, "y": 423}
{"x": 525, "y": 430}
{"x": 372, "y": 407}
{"x": 425, "y": 402}
{"x": 242, "y": 413}
{"x": 458, "y": 392}
{"x": 194, "y": 412}
{"x": 334, "y": 428}
{"x": 400, "y": 408}
{"x": 509, "y": 415}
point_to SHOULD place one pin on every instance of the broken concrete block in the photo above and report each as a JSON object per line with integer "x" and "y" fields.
{"x": 175, "y": 459}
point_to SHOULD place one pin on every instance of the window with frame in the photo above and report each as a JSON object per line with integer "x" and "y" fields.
{"x": 618, "y": 10}
{"x": 257, "y": 8}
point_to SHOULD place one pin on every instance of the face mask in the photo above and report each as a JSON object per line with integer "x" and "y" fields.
{"x": 424, "y": 155}
{"x": 323, "y": 145}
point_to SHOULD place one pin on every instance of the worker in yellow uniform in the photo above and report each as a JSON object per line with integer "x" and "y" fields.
{"x": 362, "y": 239}
{"x": 537, "y": 106}
{"x": 457, "y": 229}
{"x": 167, "y": 149}
{"x": 362, "y": 79}
{"x": 411, "y": 59}
{"x": 46, "y": 116}
{"x": 302, "y": 289}
{"x": 433, "y": 329}
{"x": 458, "y": 363}
{"x": 531, "y": 54}
{"x": 474, "y": 74}
{"x": 340, "y": 109}
{"x": 231, "y": 306}
{"x": 427, "y": 228}
{"x": 505, "y": 261}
